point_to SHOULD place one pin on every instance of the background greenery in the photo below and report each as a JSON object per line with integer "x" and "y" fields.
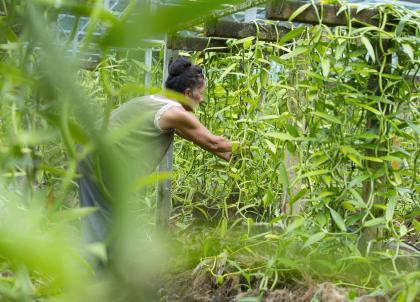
{"x": 343, "y": 103}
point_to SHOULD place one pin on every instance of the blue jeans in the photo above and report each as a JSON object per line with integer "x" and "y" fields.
{"x": 95, "y": 227}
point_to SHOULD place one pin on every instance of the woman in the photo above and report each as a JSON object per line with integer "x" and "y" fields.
{"x": 142, "y": 131}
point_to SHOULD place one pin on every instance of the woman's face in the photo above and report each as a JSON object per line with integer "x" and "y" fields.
{"x": 196, "y": 95}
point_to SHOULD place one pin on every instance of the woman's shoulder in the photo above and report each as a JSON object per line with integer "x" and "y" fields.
{"x": 152, "y": 99}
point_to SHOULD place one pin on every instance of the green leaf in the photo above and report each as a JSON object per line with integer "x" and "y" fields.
{"x": 292, "y": 130}
{"x": 374, "y": 222}
{"x": 296, "y": 52}
{"x": 371, "y": 109}
{"x": 292, "y": 34}
{"x": 348, "y": 205}
{"x": 367, "y": 135}
{"x": 416, "y": 225}
{"x": 357, "y": 180}
{"x": 374, "y": 159}
{"x": 315, "y": 173}
{"x": 338, "y": 220}
{"x": 325, "y": 64}
{"x": 98, "y": 249}
{"x": 357, "y": 204}
{"x": 299, "y": 11}
{"x": 314, "y": 238}
{"x": 340, "y": 50}
{"x": 349, "y": 150}
{"x": 390, "y": 207}
{"x": 287, "y": 137}
{"x": 327, "y": 117}
{"x": 415, "y": 127}
{"x": 271, "y": 146}
{"x": 295, "y": 224}
{"x": 152, "y": 179}
{"x": 403, "y": 230}
{"x": 355, "y": 159}
{"x": 223, "y": 227}
{"x": 284, "y": 178}
{"x": 401, "y": 25}
{"x": 409, "y": 51}
{"x": 73, "y": 214}
{"x": 369, "y": 48}
{"x": 229, "y": 69}
{"x": 299, "y": 195}
{"x": 243, "y": 40}
{"x": 276, "y": 59}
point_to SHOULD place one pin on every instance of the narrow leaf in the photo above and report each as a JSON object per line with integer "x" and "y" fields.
{"x": 374, "y": 222}
{"x": 403, "y": 230}
{"x": 325, "y": 64}
{"x": 229, "y": 69}
{"x": 284, "y": 178}
{"x": 299, "y": 11}
{"x": 369, "y": 48}
{"x": 338, "y": 220}
{"x": 295, "y": 224}
{"x": 287, "y": 137}
{"x": 291, "y": 35}
{"x": 374, "y": 159}
{"x": 271, "y": 146}
{"x": 355, "y": 159}
{"x": 408, "y": 50}
{"x": 315, "y": 173}
{"x": 390, "y": 207}
{"x": 327, "y": 117}
{"x": 314, "y": 238}
{"x": 297, "y": 51}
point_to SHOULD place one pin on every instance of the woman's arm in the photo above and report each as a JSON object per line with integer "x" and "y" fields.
{"x": 189, "y": 127}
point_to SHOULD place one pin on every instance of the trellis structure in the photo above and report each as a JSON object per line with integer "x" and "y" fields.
{"x": 218, "y": 31}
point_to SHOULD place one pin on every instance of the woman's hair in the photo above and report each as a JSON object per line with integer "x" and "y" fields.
{"x": 183, "y": 74}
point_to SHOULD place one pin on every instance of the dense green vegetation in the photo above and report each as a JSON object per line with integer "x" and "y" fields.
{"x": 323, "y": 189}
{"x": 334, "y": 131}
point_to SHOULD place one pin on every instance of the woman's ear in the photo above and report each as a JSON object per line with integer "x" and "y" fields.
{"x": 188, "y": 92}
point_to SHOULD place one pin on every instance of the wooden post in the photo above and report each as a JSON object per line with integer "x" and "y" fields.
{"x": 164, "y": 202}
{"x": 148, "y": 58}
{"x": 372, "y": 123}
{"x": 292, "y": 159}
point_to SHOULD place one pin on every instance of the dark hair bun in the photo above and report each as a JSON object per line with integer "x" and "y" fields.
{"x": 183, "y": 74}
{"x": 179, "y": 66}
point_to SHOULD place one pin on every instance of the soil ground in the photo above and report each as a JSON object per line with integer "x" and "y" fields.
{"x": 200, "y": 286}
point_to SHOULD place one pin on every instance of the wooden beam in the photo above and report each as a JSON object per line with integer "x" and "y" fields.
{"x": 228, "y": 10}
{"x": 243, "y": 5}
{"x": 197, "y": 43}
{"x": 283, "y": 9}
{"x": 239, "y": 30}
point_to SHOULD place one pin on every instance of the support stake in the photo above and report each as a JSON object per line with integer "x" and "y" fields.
{"x": 164, "y": 203}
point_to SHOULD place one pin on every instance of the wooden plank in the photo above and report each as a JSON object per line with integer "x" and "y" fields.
{"x": 239, "y": 30}
{"x": 148, "y": 60}
{"x": 283, "y": 9}
{"x": 229, "y": 9}
{"x": 197, "y": 43}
